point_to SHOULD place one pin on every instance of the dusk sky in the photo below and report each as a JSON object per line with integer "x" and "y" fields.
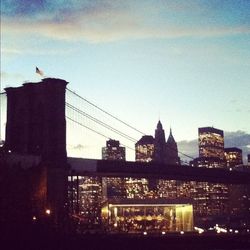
{"x": 185, "y": 62}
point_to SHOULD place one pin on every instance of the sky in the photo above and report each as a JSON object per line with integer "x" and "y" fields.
{"x": 186, "y": 63}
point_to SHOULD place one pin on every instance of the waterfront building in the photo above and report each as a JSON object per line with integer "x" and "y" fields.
{"x": 148, "y": 215}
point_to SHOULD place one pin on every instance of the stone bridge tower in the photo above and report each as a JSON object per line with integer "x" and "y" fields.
{"x": 36, "y": 119}
{"x": 36, "y": 126}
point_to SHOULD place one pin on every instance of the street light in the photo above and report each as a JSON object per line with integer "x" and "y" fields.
{"x": 48, "y": 211}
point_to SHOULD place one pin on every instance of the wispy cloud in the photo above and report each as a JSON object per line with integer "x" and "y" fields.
{"x": 106, "y": 21}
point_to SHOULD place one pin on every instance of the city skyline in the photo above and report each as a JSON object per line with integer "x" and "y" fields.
{"x": 185, "y": 63}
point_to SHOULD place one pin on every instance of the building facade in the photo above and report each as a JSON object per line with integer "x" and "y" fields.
{"x": 113, "y": 151}
{"x": 233, "y": 157}
{"x": 211, "y": 142}
{"x": 144, "y": 149}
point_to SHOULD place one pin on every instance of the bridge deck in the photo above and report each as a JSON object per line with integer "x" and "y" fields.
{"x": 105, "y": 168}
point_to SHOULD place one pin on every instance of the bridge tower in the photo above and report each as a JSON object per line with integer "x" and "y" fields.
{"x": 36, "y": 126}
{"x": 36, "y": 119}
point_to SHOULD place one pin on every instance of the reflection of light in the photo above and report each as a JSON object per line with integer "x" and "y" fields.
{"x": 47, "y": 211}
{"x": 220, "y": 229}
{"x": 34, "y": 218}
{"x": 115, "y": 224}
{"x": 163, "y": 233}
{"x": 145, "y": 233}
{"x": 181, "y": 232}
{"x": 9, "y": 151}
{"x": 230, "y": 230}
{"x": 200, "y": 230}
{"x": 236, "y": 231}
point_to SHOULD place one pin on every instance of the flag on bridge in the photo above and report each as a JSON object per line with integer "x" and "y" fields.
{"x": 38, "y": 71}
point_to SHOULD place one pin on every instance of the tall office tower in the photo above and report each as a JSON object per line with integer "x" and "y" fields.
{"x": 113, "y": 151}
{"x": 144, "y": 149}
{"x": 211, "y": 143}
{"x": 172, "y": 150}
{"x": 160, "y": 151}
{"x": 233, "y": 157}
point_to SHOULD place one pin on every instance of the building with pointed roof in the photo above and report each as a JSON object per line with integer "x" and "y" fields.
{"x": 156, "y": 149}
{"x": 160, "y": 153}
{"x": 172, "y": 150}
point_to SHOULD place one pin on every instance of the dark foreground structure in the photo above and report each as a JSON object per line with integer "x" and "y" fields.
{"x": 44, "y": 239}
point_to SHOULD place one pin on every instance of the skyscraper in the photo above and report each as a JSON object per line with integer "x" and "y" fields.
{"x": 233, "y": 157}
{"x": 160, "y": 149}
{"x": 113, "y": 151}
{"x": 172, "y": 150}
{"x": 211, "y": 148}
{"x": 144, "y": 149}
{"x": 165, "y": 152}
{"x": 211, "y": 143}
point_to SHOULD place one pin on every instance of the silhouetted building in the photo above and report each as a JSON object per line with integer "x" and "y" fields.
{"x": 211, "y": 142}
{"x": 144, "y": 149}
{"x": 233, "y": 157}
{"x": 113, "y": 151}
{"x": 165, "y": 152}
{"x": 248, "y": 160}
{"x": 160, "y": 149}
{"x": 172, "y": 150}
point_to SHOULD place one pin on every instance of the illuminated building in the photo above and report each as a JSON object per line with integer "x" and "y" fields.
{"x": 85, "y": 196}
{"x": 208, "y": 162}
{"x": 211, "y": 142}
{"x": 136, "y": 188}
{"x": 144, "y": 149}
{"x": 137, "y": 216}
{"x": 113, "y": 151}
{"x": 113, "y": 187}
{"x": 211, "y": 148}
{"x": 233, "y": 157}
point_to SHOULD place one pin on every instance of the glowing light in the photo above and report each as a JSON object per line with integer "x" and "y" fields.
{"x": 47, "y": 211}
{"x": 236, "y": 231}
{"x": 145, "y": 233}
{"x": 181, "y": 232}
{"x": 200, "y": 230}
{"x": 34, "y": 218}
{"x": 163, "y": 233}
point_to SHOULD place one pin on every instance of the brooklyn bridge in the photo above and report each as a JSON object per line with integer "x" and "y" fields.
{"x": 39, "y": 183}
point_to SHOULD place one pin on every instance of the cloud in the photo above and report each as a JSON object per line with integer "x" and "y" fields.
{"x": 107, "y": 21}
{"x": 239, "y": 139}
